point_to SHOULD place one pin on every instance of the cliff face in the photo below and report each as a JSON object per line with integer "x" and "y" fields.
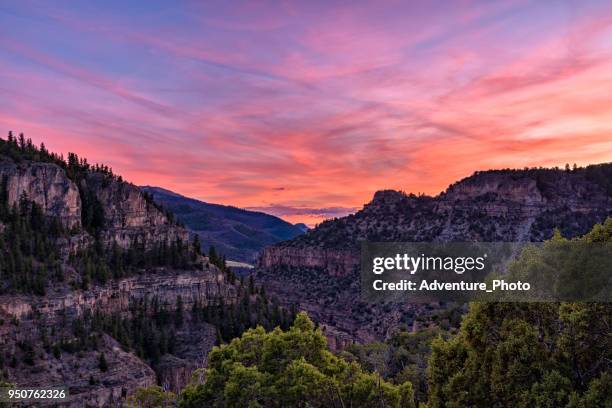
{"x": 489, "y": 206}
{"x": 116, "y": 296}
{"x": 336, "y": 262}
{"x": 32, "y": 326}
{"x": 129, "y": 217}
{"x": 47, "y": 185}
{"x": 319, "y": 269}
{"x": 194, "y": 344}
{"x": 56, "y": 311}
{"x": 88, "y": 386}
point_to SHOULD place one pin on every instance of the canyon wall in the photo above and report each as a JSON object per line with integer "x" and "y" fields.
{"x": 319, "y": 270}
{"x": 336, "y": 262}
{"x": 22, "y": 317}
{"x": 203, "y": 287}
{"x": 129, "y": 218}
{"x": 47, "y": 185}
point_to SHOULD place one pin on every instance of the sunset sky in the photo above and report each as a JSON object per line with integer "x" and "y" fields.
{"x": 304, "y": 109}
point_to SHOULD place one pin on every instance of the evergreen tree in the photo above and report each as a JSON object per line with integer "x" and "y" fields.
{"x": 527, "y": 354}
{"x": 196, "y": 245}
{"x": 102, "y": 364}
{"x": 289, "y": 369}
{"x": 178, "y": 314}
{"x": 212, "y": 255}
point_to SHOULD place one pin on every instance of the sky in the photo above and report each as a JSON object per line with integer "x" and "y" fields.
{"x": 304, "y": 109}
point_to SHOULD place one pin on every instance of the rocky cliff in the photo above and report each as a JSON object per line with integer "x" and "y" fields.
{"x": 336, "y": 262}
{"x": 88, "y": 385}
{"x": 42, "y": 342}
{"x": 24, "y": 319}
{"x": 128, "y": 216}
{"x": 47, "y": 185}
{"x": 319, "y": 269}
{"x": 60, "y": 302}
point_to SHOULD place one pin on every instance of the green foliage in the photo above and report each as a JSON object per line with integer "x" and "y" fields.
{"x": 28, "y": 254}
{"x": 527, "y": 354}
{"x": 566, "y": 269}
{"x": 290, "y": 368}
{"x": 20, "y": 149}
{"x": 149, "y": 330}
{"x": 102, "y": 364}
{"x": 2, "y": 385}
{"x": 510, "y": 354}
{"x": 216, "y": 259}
{"x": 151, "y": 397}
{"x": 400, "y": 359}
{"x": 252, "y": 309}
{"x": 197, "y": 246}
{"x": 600, "y": 174}
{"x": 116, "y": 262}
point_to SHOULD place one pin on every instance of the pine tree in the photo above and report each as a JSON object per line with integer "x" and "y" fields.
{"x": 212, "y": 255}
{"x": 178, "y": 313}
{"x": 197, "y": 245}
{"x": 102, "y": 364}
{"x": 251, "y": 285}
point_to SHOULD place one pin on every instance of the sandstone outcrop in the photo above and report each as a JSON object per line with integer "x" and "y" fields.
{"x": 194, "y": 286}
{"x": 129, "y": 217}
{"x": 335, "y": 262}
{"x": 47, "y": 185}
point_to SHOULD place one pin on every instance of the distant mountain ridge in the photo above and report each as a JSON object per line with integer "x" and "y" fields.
{"x": 238, "y": 234}
{"x": 319, "y": 269}
{"x": 302, "y": 226}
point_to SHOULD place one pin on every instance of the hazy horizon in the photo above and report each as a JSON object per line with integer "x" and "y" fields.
{"x": 304, "y": 110}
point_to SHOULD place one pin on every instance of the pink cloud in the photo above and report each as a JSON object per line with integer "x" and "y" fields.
{"x": 332, "y": 103}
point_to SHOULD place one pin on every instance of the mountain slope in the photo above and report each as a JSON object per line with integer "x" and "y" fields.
{"x": 302, "y": 226}
{"x": 100, "y": 290}
{"x": 320, "y": 268}
{"x": 236, "y": 233}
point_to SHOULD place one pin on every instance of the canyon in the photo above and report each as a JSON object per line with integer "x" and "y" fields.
{"x": 320, "y": 269}
{"x": 29, "y": 322}
{"x": 237, "y": 233}
{"x": 317, "y": 270}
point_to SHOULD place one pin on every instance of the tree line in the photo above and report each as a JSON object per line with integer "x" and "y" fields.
{"x": 504, "y": 354}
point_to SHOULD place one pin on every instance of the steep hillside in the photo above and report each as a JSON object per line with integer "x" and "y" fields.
{"x": 303, "y": 227}
{"x": 236, "y": 233}
{"x": 320, "y": 268}
{"x": 99, "y": 289}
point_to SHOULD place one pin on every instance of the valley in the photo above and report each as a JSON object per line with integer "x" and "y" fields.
{"x": 100, "y": 289}
{"x": 104, "y": 290}
{"x": 319, "y": 270}
{"x": 236, "y": 233}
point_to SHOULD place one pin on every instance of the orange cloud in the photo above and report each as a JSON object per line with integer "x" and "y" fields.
{"x": 303, "y": 110}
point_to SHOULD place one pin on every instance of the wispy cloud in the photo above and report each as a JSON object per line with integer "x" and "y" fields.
{"x": 308, "y": 215}
{"x": 304, "y": 109}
